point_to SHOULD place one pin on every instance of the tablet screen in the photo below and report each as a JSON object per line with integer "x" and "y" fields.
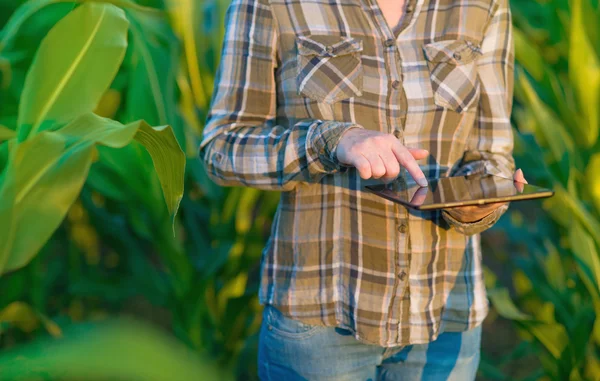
{"x": 458, "y": 191}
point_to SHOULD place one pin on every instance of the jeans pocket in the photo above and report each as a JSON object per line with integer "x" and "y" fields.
{"x": 281, "y": 325}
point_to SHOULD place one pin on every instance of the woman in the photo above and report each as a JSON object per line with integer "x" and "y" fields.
{"x": 317, "y": 99}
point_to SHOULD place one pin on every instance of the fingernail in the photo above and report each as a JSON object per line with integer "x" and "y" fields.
{"x": 422, "y": 181}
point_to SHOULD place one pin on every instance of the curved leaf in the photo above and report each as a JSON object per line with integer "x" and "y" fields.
{"x": 168, "y": 159}
{"x": 111, "y": 350}
{"x": 59, "y": 86}
{"x": 32, "y": 206}
{"x": 45, "y": 174}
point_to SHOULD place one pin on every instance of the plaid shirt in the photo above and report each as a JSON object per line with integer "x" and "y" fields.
{"x": 294, "y": 76}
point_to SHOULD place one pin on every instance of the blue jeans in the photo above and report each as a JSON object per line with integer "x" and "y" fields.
{"x": 289, "y": 350}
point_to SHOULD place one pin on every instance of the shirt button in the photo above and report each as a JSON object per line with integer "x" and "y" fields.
{"x": 402, "y": 275}
{"x": 396, "y": 84}
{"x": 389, "y": 42}
{"x": 402, "y": 228}
{"x": 457, "y": 56}
{"x": 218, "y": 157}
{"x": 409, "y": 8}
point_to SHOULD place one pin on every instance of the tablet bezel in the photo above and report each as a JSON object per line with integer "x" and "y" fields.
{"x": 382, "y": 191}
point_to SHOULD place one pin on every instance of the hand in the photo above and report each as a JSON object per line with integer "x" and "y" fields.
{"x": 378, "y": 155}
{"x": 474, "y": 213}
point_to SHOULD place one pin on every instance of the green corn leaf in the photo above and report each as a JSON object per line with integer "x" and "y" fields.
{"x": 114, "y": 350}
{"x": 53, "y": 93}
{"x": 168, "y": 159}
{"x": 527, "y": 54}
{"x": 160, "y": 142}
{"x": 29, "y": 8}
{"x": 33, "y": 205}
{"x": 587, "y": 255}
{"x": 152, "y": 90}
{"x": 548, "y": 125}
{"x": 552, "y": 335}
{"x": 6, "y": 133}
{"x": 584, "y": 73}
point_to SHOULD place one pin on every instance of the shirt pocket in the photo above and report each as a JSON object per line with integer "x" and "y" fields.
{"x": 453, "y": 72}
{"x": 329, "y": 67}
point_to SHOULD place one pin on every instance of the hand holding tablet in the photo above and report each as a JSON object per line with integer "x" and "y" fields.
{"x": 449, "y": 192}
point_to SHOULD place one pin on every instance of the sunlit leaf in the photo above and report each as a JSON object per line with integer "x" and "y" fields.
{"x": 548, "y": 125}
{"x": 168, "y": 159}
{"x": 30, "y": 203}
{"x": 34, "y": 206}
{"x": 527, "y": 54}
{"x": 584, "y": 72}
{"x": 58, "y": 87}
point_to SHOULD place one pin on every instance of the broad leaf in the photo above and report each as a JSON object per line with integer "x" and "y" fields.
{"x": 59, "y": 87}
{"x": 108, "y": 351}
{"x": 32, "y": 203}
{"x": 168, "y": 159}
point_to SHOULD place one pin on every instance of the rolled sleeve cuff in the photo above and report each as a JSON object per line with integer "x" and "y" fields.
{"x": 470, "y": 228}
{"x": 324, "y": 140}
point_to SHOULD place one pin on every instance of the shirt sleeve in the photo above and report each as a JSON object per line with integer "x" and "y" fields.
{"x": 490, "y": 145}
{"x": 242, "y": 142}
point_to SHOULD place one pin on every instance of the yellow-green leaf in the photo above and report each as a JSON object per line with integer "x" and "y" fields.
{"x": 22, "y": 316}
{"x": 46, "y": 172}
{"x": 168, "y": 159}
{"x": 593, "y": 180}
{"x": 584, "y": 73}
{"x": 58, "y": 86}
{"x": 548, "y": 125}
{"x": 6, "y": 133}
{"x": 40, "y": 183}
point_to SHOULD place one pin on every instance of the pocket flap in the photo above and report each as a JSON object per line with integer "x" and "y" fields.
{"x": 327, "y": 45}
{"x": 457, "y": 52}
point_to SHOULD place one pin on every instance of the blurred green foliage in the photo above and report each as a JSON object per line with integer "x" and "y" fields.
{"x": 556, "y": 276}
{"x": 115, "y": 252}
{"x": 121, "y": 250}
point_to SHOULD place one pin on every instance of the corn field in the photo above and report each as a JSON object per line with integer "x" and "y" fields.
{"x": 120, "y": 259}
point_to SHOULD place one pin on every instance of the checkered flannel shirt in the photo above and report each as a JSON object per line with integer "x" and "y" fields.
{"x": 294, "y": 76}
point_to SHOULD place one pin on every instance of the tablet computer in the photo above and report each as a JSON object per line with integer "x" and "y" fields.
{"x": 448, "y": 192}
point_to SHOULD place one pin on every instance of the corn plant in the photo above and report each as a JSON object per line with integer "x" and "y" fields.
{"x": 557, "y": 119}
{"x": 116, "y": 251}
